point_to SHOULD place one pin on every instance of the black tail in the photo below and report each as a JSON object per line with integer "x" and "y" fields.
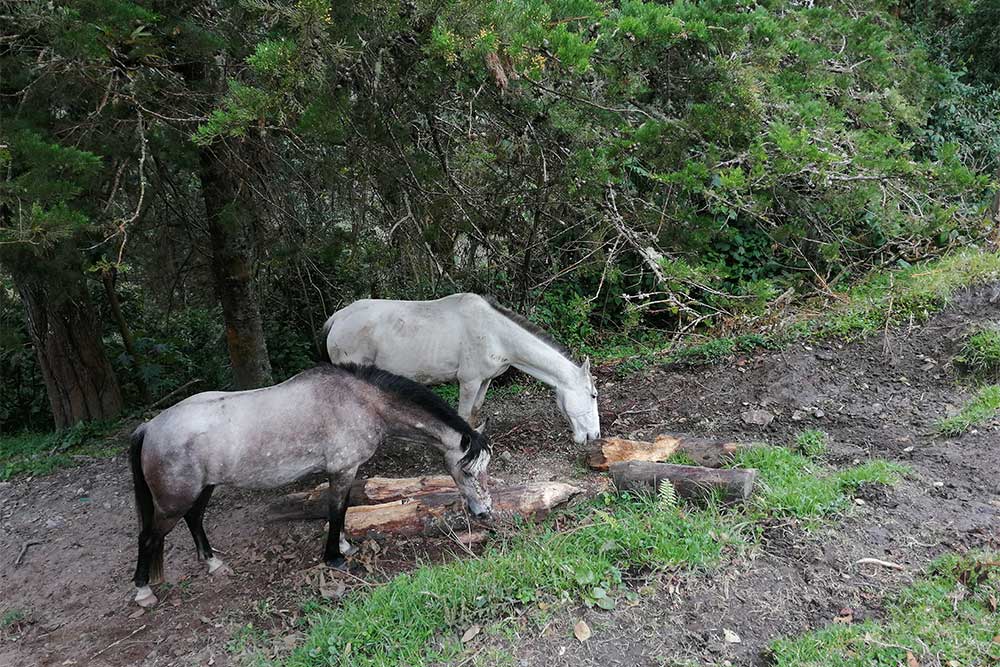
{"x": 143, "y": 496}
{"x": 149, "y": 544}
{"x": 324, "y": 351}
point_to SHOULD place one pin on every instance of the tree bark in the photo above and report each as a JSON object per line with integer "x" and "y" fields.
{"x": 695, "y": 482}
{"x": 429, "y": 504}
{"x": 231, "y": 269}
{"x": 108, "y": 278}
{"x": 66, "y": 334}
{"x": 711, "y": 452}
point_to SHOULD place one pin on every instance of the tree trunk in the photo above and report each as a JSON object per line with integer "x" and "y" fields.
{"x": 427, "y": 503}
{"x": 705, "y": 451}
{"x": 67, "y": 337}
{"x": 108, "y": 278}
{"x": 231, "y": 268}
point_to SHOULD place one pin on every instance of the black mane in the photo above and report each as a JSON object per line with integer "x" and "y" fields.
{"x": 422, "y": 397}
{"x": 531, "y": 327}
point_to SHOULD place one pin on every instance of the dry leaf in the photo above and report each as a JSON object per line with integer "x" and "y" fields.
{"x": 471, "y": 633}
{"x": 846, "y": 616}
{"x": 582, "y": 630}
{"x": 911, "y": 660}
{"x": 730, "y": 636}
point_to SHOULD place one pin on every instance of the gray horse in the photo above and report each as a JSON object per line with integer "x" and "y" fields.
{"x": 329, "y": 419}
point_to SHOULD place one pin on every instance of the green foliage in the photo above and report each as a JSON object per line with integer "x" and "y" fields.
{"x": 912, "y": 293}
{"x": 948, "y": 616}
{"x": 980, "y": 352}
{"x": 812, "y": 442}
{"x": 979, "y": 410}
{"x": 791, "y": 485}
{"x": 41, "y": 453}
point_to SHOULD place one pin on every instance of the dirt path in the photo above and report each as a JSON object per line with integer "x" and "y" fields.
{"x": 876, "y": 398}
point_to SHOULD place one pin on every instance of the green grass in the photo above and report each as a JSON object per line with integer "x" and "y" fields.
{"x": 10, "y": 618}
{"x": 947, "y": 618}
{"x": 981, "y": 408}
{"x": 418, "y": 617}
{"x": 980, "y": 353}
{"x": 449, "y": 392}
{"x": 41, "y": 453}
{"x": 883, "y": 298}
{"x": 912, "y": 293}
{"x": 791, "y": 485}
{"x": 812, "y": 442}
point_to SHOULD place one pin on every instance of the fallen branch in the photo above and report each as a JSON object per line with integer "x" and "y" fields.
{"x": 694, "y": 482}
{"x": 427, "y": 513}
{"x": 711, "y": 452}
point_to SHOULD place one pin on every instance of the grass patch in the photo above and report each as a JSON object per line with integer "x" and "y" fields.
{"x": 791, "y": 485}
{"x": 912, "y": 293}
{"x": 947, "y": 618}
{"x": 892, "y": 297}
{"x": 417, "y": 618}
{"x": 10, "y": 618}
{"x": 979, "y": 410}
{"x": 812, "y": 442}
{"x": 681, "y": 459}
{"x": 41, "y": 453}
{"x": 980, "y": 353}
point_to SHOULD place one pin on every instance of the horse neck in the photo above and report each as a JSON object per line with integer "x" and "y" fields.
{"x": 409, "y": 422}
{"x": 537, "y": 358}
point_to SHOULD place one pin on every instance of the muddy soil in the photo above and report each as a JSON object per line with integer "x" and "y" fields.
{"x": 880, "y": 397}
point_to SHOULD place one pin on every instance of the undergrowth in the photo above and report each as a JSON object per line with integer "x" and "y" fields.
{"x": 41, "y": 453}
{"x": 949, "y": 617}
{"x": 983, "y": 407}
{"x": 416, "y": 617}
{"x": 980, "y": 353}
{"x": 882, "y": 299}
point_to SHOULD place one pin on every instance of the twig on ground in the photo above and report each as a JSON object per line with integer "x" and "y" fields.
{"x": 113, "y": 644}
{"x": 878, "y": 561}
{"x": 24, "y": 550}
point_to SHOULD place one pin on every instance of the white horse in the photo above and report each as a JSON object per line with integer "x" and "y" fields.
{"x": 463, "y": 338}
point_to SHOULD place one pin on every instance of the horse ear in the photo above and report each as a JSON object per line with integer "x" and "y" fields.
{"x": 481, "y": 429}
{"x": 586, "y": 366}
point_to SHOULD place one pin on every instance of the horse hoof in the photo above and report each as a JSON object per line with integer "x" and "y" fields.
{"x": 217, "y": 568}
{"x": 338, "y": 563}
{"x": 347, "y": 548}
{"x": 144, "y": 597}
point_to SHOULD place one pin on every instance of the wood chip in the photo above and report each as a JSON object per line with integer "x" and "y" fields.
{"x": 581, "y": 630}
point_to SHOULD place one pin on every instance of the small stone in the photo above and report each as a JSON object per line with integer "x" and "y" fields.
{"x": 938, "y": 484}
{"x": 757, "y": 417}
{"x": 506, "y": 456}
{"x": 908, "y": 449}
{"x": 818, "y": 414}
{"x": 798, "y": 416}
{"x": 859, "y": 501}
{"x": 825, "y": 355}
{"x": 877, "y": 408}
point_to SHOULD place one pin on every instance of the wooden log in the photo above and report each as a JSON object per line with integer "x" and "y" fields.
{"x": 371, "y": 491}
{"x": 694, "y": 482}
{"x": 712, "y": 452}
{"x": 427, "y": 512}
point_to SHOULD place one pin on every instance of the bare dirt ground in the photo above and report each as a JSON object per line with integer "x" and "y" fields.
{"x": 879, "y": 397}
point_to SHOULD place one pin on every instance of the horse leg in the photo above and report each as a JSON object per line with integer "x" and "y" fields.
{"x": 468, "y": 390}
{"x": 195, "y": 522}
{"x": 149, "y": 565}
{"x": 340, "y": 487}
{"x": 477, "y": 404}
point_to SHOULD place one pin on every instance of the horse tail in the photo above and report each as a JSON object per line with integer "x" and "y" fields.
{"x": 324, "y": 350}
{"x": 144, "y": 504}
{"x": 477, "y": 452}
